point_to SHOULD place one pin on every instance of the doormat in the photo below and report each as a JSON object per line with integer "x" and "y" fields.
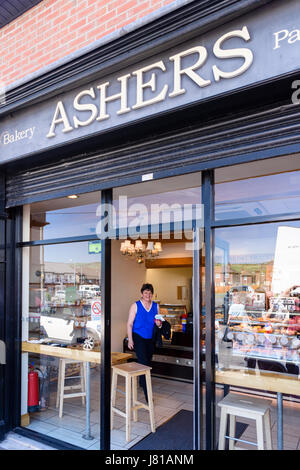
{"x": 177, "y": 434}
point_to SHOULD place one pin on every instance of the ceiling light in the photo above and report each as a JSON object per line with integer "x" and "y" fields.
{"x": 73, "y": 196}
{"x": 139, "y": 251}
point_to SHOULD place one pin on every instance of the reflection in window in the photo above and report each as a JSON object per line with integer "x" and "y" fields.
{"x": 64, "y": 217}
{"x": 175, "y": 200}
{"x": 257, "y": 285}
{"x": 264, "y": 195}
{"x": 64, "y": 279}
{"x": 61, "y": 312}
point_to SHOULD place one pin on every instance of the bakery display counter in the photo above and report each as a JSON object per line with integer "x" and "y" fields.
{"x": 265, "y": 337}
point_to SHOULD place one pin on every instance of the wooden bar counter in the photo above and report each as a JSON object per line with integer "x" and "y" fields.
{"x": 81, "y": 355}
{"x": 271, "y": 382}
{"x": 76, "y": 353}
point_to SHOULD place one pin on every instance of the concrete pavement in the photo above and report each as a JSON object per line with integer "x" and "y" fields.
{"x": 15, "y": 441}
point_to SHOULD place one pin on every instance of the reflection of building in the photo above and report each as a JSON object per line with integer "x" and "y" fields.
{"x": 257, "y": 275}
{"x": 68, "y": 273}
{"x": 62, "y": 278}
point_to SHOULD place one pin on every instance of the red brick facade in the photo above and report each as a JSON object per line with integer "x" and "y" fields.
{"x": 56, "y": 28}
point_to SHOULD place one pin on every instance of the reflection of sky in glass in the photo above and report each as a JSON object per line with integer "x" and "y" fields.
{"x": 72, "y": 221}
{"x": 248, "y": 244}
{"x": 144, "y": 207}
{"x": 273, "y": 194}
{"x": 70, "y": 253}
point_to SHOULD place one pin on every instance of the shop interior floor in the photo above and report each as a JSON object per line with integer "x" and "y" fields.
{"x": 169, "y": 397}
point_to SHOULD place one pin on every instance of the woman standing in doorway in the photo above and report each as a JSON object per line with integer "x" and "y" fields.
{"x": 140, "y": 326}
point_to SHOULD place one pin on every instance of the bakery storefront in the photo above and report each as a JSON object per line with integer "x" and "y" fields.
{"x": 169, "y": 157}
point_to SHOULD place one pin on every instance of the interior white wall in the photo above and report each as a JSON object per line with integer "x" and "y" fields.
{"x": 175, "y": 250}
{"x": 127, "y": 279}
{"x": 165, "y": 282}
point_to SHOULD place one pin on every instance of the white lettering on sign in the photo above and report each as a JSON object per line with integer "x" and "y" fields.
{"x": 230, "y": 53}
{"x": 9, "y": 137}
{"x": 285, "y": 35}
{"x": 100, "y": 94}
{"x": 60, "y": 116}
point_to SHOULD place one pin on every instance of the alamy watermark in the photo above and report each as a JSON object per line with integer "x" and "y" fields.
{"x": 2, "y": 352}
{"x": 296, "y": 93}
{"x": 123, "y": 219}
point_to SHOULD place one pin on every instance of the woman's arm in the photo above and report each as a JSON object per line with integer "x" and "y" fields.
{"x": 131, "y": 318}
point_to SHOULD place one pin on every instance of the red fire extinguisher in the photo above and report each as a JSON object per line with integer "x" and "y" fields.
{"x": 33, "y": 390}
{"x": 183, "y": 321}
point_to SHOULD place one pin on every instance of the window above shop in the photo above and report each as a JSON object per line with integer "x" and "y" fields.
{"x": 268, "y": 187}
{"x": 71, "y": 216}
{"x": 167, "y": 200}
{"x": 11, "y": 9}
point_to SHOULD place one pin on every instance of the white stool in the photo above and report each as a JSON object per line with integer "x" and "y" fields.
{"x": 246, "y": 407}
{"x": 131, "y": 370}
{"x": 61, "y": 387}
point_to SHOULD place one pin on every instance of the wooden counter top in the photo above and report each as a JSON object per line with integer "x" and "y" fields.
{"x": 279, "y": 383}
{"x": 73, "y": 353}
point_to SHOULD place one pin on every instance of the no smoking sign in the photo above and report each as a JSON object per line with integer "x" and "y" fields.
{"x": 96, "y": 308}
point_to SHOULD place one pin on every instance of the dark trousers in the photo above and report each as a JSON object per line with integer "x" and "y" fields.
{"x": 144, "y": 350}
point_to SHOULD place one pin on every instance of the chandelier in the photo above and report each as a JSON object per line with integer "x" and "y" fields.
{"x": 140, "y": 251}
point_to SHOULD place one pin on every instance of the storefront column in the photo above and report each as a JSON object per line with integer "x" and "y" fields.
{"x": 208, "y": 202}
{"x": 106, "y": 198}
{"x": 2, "y": 303}
{"x": 197, "y": 331}
{"x": 13, "y": 318}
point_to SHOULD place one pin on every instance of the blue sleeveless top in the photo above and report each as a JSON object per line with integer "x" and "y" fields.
{"x": 144, "y": 320}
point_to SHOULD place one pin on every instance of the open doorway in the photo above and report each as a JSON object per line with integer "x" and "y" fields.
{"x": 171, "y": 275}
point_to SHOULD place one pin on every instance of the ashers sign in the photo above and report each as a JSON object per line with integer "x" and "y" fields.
{"x": 101, "y": 95}
{"x": 260, "y": 46}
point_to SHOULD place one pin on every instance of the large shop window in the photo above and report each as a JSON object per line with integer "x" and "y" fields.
{"x": 257, "y": 297}
{"x": 61, "y": 318}
{"x": 257, "y": 283}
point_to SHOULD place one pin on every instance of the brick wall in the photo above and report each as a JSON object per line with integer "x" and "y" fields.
{"x": 56, "y": 28}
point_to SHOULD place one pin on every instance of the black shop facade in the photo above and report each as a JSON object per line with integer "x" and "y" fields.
{"x": 169, "y": 156}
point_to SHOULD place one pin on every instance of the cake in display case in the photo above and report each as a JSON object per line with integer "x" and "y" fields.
{"x": 266, "y": 335}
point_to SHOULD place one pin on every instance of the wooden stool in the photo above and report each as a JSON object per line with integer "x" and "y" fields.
{"x": 131, "y": 371}
{"x": 246, "y": 407}
{"x": 61, "y": 387}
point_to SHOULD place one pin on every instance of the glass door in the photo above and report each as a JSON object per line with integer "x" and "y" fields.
{"x": 152, "y": 268}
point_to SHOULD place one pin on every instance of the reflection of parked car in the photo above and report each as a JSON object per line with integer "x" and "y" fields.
{"x": 89, "y": 291}
{"x": 241, "y": 289}
{"x": 66, "y": 325}
{"x": 60, "y": 296}
{"x": 295, "y": 292}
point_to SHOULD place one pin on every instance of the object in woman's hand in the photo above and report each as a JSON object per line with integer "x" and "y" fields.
{"x": 158, "y": 320}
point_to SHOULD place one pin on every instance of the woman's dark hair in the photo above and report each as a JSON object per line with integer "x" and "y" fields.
{"x": 147, "y": 287}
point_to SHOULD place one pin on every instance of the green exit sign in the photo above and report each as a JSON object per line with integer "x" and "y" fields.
{"x": 94, "y": 247}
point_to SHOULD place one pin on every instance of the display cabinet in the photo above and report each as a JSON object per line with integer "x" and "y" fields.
{"x": 272, "y": 335}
